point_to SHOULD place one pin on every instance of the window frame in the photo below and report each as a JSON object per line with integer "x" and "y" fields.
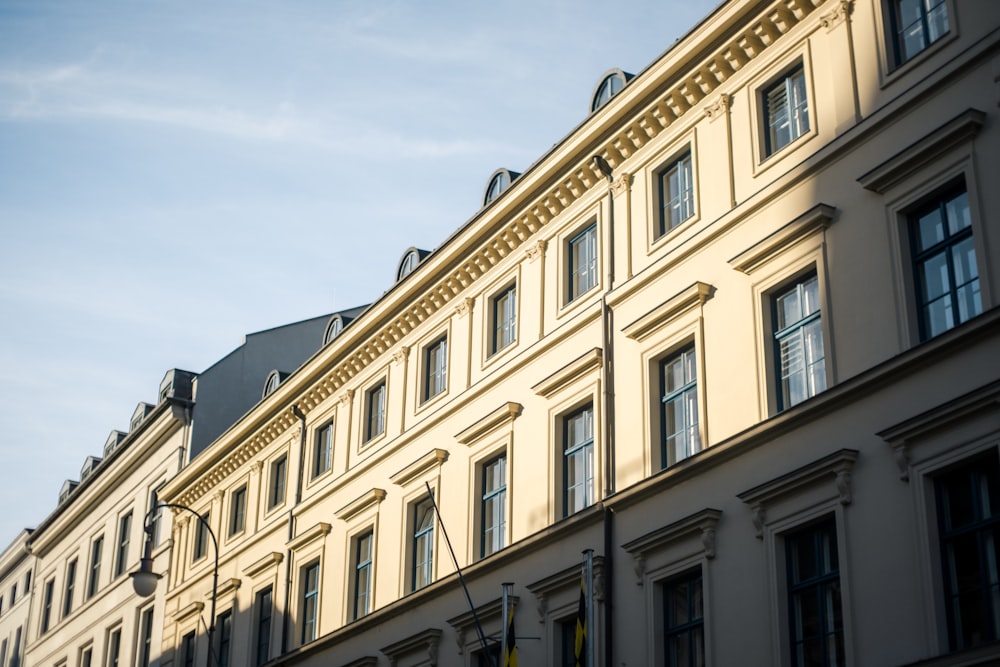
{"x": 144, "y": 643}
{"x": 503, "y": 311}
{"x": 223, "y": 638}
{"x": 124, "y": 541}
{"x": 497, "y": 496}
{"x": 587, "y": 450}
{"x": 664, "y": 219}
{"x": 585, "y": 237}
{"x": 361, "y": 569}
{"x": 322, "y": 462}
{"x": 94, "y": 570}
{"x": 262, "y": 624}
{"x": 309, "y": 600}
{"x": 374, "y": 415}
{"x": 48, "y": 598}
{"x": 277, "y": 482}
{"x": 238, "y": 510}
{"x": 435, "y": 369}
{"x": 189, "y": 649}
{"x": 114, "y": 647}
{"x": 421, "y": 543}
{"x": 685, "y": 627}
{"x": 799, "y": 120}
{"x": 69, "y": 586}
{"x": 199, "y": 544}
{"x": 687, "y": 352}
{"x": 778, "y": 334}
{"x": 891, "y": 23}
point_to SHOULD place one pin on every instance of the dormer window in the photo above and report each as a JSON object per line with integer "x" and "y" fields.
{"x": 333, "y": 328}
{"x": 411, "y": 259}
{"x": 271, "y": 383}
{"x": 611, "y": 84}
{"x": 499, "y": 181}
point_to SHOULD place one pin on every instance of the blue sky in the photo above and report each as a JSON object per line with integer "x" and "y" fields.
{"x": 176, "y": 174}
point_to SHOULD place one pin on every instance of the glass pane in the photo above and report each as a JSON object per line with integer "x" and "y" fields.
{"x": 789, "y": 309}
{"x": 930, "y": 229}
{"x": 940, "y": 317}
{"x": 934, "y": 275}
{"x": 957, "y": 210}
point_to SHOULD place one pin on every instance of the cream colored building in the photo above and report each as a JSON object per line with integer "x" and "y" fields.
{"x": 750, "y": 355}
{"x": 16, "y": 569}
{"x": 84, "y": 611}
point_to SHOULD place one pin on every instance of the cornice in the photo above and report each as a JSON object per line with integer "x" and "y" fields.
{"x": 695, "y": 294}
{"x": 505, "y": 414}
{"x": 817, "y": 218}
{"x": 671, "y": 87}
{"x": 571, "y": 371}
{"x": 358, "y": 505}
{"x": 433, "y": 458}
{"x": 263, "y": 564}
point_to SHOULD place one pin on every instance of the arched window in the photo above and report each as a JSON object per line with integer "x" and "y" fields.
{"x": 271, "y": 383}
{"x": 411, "y": 258}
{"x": 611, "y": 83}
{"x": 333, "y": 328}
{"x": 499, "y": 181}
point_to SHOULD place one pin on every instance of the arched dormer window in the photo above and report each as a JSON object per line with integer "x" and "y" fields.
{"x": 411, "y": 258}
{"x": 271, "y": 383}
{"x": 333, "y": 328}
{"x": 499, "y": 181}
{"x": 610, "y": 85}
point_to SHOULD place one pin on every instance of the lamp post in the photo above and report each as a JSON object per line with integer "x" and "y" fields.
{"x": 144, "y": 579}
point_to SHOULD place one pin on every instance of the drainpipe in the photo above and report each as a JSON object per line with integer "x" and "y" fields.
{"x": 291, "y": 526}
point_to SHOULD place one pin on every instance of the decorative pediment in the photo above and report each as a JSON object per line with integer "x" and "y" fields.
{"x": 431, "y": 459}
{"x": 360, "y": 504}
{"x": 502, "y": 416}
{"x": 425, "y": 642}
{"x": 691, "y": 296}
{"x": 570, "y": 372}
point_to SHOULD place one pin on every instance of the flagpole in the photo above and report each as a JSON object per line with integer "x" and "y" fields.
{"x": 505, "y": 615}
{"x": 588, "y": 578}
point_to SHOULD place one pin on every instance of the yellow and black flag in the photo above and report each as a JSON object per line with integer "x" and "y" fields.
{"x": 510, "y": 651}
{"x": 580, "y": 644}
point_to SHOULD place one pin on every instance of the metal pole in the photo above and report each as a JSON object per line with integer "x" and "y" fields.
{"x": 506, "y": 589}
{"x": 588, "y": 574}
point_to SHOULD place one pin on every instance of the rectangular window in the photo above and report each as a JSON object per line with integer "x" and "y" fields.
{"x": 786, "y": 111}
{"x": 70, "y": 588}
{"x": 224, "y": 628}
{"x": 156, "y": 516}
{"x": 86, "y": 657}
{"x": 95, "y": 566}
{"x": 375, "y": 411}
{"x": 798, "y": 343}
{"x": 114, "y": 647}
{"x": 146, "y": 637}
{"x": 582, "y": 262}
{"x": 968, "y": 507}
{"x": 567, "y": 645}
{"x": 816, "y": 626}
{"x": 3, "y": 652}
{"x": 578, "y": 460}
{"x": 435, "y": 368}
{"x": 188, "y": 649}
{"x": 684, "y": 621}
{"x": 915, "y": 25}
{"x": 422, "y": 544}
{"x": 679, "y": 407}
{"x": 15, "y": 654}
{"x": 124, "y": 530}
{"x": 265, "y": 606}
{"x": 201, "y": 537}
{"x": 50, "y": 587}
{"x": 238, "y": 511}
{"x": 362, "y": 574}
{"x": 310, "y": 601}
{"x": 944, "y": 263}
{"x": 504, "y": 319}
{"x": 323, "y": 450}
{"x": 13, "y": 594}
{"x": 676, "y": 194}
{"x": 279, "y": 474}
{"x": 493, "y": 509}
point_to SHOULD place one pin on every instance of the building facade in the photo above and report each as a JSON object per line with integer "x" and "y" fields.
{"x": 16, "y": 569}
{"x": 737, "y": 336}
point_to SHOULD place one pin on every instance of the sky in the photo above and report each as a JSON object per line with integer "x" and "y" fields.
{"x": 176, "y": 174}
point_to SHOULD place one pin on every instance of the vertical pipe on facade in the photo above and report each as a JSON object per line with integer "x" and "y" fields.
{"x": 291, "y": 526}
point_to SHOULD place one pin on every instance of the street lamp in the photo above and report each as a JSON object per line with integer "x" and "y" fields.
{"x": 144, "y": 579}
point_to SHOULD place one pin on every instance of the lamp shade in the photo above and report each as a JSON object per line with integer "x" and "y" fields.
{"x": 144, "y": 580}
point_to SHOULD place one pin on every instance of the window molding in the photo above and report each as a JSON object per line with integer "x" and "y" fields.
{"x": 308, "y": 536}
{"x": 360, "y": 504}
{"x": 433, "y": 459}
{"x": 434, "y": 368}
{"x": 698, "y": 529}
{"x": 659, "y": 228}
{"x": 923, "y": 152}
{"x": 263, "y": 564}
{"x": 696, "y": 294}
{"x": 324, "y": 437}
{"x": 833, "y": 469}
{"x": 816, "y": 219}
{"x": 570, "y": 373}
{"x": 503, "y": 301}
{"x": 892, "y": 68}
{"x": 488, "y": 424}
{"x": 425, "y": 642}
{"x": 369, "y": 419}
{"x": 757, "y": 89}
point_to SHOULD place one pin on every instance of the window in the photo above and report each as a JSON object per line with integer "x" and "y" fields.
{"x": 582, "y": 262}
{"x": 124, "y": 528}
{"x": 679, "y": 407}
{"x": 156, "y": 517}
{"x": 375, "y": 412}
{"x": 238, "y": 511}
{"x": 13, "y": 594}
{"x": 503, "y": 316}
{"x": 3, "y": 653}
{"x": 798, "y": 343}
{"x": 362, "y": 575}
{"x": 422, "y": 546}
{"x": 676, "y": 194}
{"x": 499, "y": 182}
{"x": 323, "y": 450}
{"x": 279, "y": 473}
{"x": 224, "y": 626}
{"x": 264, "y": 610}
{"x": 27, "y": 581}
{"x": 15, "y": 653}
{"x": 493, "y": 509}
{"x": 114, "y": 647}
{"x": 816, "y": 629}
{"x": 610, "y": 85}
{"x": 944, "y": 262}
{"x": 333, "y": 329}
{"x": 201, "y": 536}
{"x": 95, "y": 566}
{"x": 683, "y": 621}
{"x": 86, "y": 657}
{"x": 916, "y": 24}
{"x": 786, "y": 111}
{"x": 435, "y": 368}
{"x": 271, "y": 383}
{"x": 146, "y": 637}
{"x": 70, "y": 588}
{"x": 578, "y": 460}
{"x": 188, "y": 647}
{"x": 968, "y": 507}
{"x": 50, "y": 586}
{"x": 310, "y": 601}
{"x": 567, "y": 644}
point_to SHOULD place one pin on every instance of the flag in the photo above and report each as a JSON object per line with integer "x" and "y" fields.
{"x": 580, "y": 643}
{"x": 510, "y": 651}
